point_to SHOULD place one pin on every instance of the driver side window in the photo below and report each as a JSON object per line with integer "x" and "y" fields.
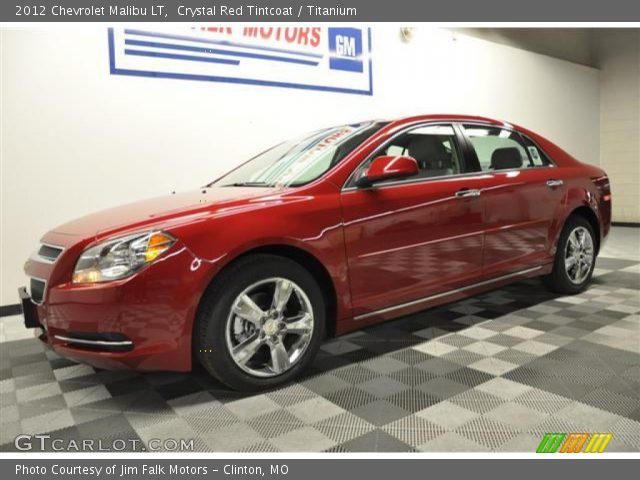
{"x": 433, "y": 147}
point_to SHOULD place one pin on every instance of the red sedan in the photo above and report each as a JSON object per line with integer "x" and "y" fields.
{"x": 333, "y": 231}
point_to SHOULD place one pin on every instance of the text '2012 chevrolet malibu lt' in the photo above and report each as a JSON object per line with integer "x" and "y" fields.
{"x": 325, "y": 234}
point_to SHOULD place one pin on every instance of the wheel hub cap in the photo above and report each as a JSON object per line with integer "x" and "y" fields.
{"x": 579, "y": 255}
{"x": 269, "y": 327}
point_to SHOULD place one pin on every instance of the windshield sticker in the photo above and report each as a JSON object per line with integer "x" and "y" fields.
{"x": 325, "y": 143}
{"x": 307, "y": 159}
{"x": 535, "y": 155}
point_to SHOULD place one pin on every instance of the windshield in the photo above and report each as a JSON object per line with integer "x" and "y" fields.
{"x": 302, "y": 160}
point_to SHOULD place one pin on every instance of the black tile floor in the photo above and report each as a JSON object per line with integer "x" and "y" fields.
{"x": 491, "y": 373}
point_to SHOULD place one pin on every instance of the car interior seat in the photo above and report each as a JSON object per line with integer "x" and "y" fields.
{"x": 506, "y": 158}
{"x": 433, "y": 158}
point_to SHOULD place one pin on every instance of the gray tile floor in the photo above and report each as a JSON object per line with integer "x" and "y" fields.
{"x": 491, "y": 373}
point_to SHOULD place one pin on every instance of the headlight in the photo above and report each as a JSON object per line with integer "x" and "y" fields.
{"x": 120, "y": 257}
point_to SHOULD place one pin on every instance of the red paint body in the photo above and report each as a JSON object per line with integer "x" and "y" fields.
{"x": 381, "y": 247}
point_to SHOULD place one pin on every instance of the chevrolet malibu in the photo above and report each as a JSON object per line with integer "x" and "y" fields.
{"x": 325, "y": 234}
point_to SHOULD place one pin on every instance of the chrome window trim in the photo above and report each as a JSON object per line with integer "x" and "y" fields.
{"x": 445, "y": 294}
{"x": 389, "y": 140}
{"x": 44, "y": 290}
{"x": 418, "y": 180}
{"x": 505, "y": 126}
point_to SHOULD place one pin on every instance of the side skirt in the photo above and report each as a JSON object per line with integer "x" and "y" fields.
{"x": 395, "y": 311}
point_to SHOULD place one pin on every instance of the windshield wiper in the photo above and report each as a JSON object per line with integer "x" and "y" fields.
{"x": 248, "y": 184}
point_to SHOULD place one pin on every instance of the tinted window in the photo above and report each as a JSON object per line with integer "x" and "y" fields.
{"x": 537, "y": 157}
{"x": 433, "y": 147}
{"x": 497, "y": 148}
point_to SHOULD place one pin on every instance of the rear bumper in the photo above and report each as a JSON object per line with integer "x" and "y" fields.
{"x": 143, "y": 322}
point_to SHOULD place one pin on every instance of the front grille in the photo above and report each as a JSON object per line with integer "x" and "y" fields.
{"x": 49, "y": 252}
{"x": 36, "y": 288}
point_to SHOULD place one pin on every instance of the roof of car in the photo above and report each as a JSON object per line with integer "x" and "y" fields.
{"x": 451, "y": 117}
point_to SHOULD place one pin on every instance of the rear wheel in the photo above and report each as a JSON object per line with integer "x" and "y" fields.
{"x": 261, "y": 323}
{"x": 575, "y": 258}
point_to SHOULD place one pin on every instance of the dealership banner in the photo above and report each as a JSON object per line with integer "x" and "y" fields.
{"x": 327, "y": 58}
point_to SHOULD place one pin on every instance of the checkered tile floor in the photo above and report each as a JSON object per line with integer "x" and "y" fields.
{"x": 491, "y": 373}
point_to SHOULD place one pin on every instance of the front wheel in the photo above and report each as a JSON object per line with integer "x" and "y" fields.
{"x": 261, "y": 323}
{"x": 575, "y": 258}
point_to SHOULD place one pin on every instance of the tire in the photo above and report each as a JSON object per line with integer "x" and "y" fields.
{"x": 224, "y": 340}
{"x": 566, "y": 280}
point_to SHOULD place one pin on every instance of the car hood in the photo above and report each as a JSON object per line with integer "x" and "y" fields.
{"x": 160, "y": 211}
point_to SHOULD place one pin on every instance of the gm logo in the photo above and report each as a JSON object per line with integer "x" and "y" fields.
{"x": 345, "y": 49}
{"x": 574, "y": 442}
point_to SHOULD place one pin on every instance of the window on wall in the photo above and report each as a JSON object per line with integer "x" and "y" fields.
{"x": 498, "y": 148}
{"x": 433, "y": 147}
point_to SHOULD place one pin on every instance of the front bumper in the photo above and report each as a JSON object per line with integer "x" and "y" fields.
{"x": 100, "y": 342}
{"x": 29, "y": 309}
{"x": 143, "y": 322}
{"x": 89, "y": 341}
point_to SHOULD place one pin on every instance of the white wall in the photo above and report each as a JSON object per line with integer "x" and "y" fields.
{"x": 76, "y": 139}
{"x": 619, "y": 59}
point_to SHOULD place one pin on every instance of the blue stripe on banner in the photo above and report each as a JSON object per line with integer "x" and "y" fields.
{"x": 259, "y": 56}
{"x": 173, "y": 56}
{"x": 370, "y": 63}
{"x": 242, "y": 81}
{"x": 112, "y": 52}
{"x": 218, "y": 42}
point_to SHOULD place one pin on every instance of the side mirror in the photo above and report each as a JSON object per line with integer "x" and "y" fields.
{"x": 388, "y": 167}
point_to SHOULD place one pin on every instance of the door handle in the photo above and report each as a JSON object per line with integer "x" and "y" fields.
{"x": 553, "y": 183}
{"x": 467, "y": 192}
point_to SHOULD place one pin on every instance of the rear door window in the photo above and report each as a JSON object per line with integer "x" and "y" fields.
{"x": 536, "y": 156}
{"x": 497, "y": 148}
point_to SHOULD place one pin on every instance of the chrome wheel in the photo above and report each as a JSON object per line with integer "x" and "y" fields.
{"x": 269, "y": 327}
{"x": 578, "y": 255}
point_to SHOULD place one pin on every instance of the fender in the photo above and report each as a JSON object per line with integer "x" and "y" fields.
{"x": 308, "y": 223}
{"x": 576, "y": 199}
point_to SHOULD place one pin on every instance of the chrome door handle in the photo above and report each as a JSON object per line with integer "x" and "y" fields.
{"x": 467, "y": 192}
{"x": 552, "y": 183}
